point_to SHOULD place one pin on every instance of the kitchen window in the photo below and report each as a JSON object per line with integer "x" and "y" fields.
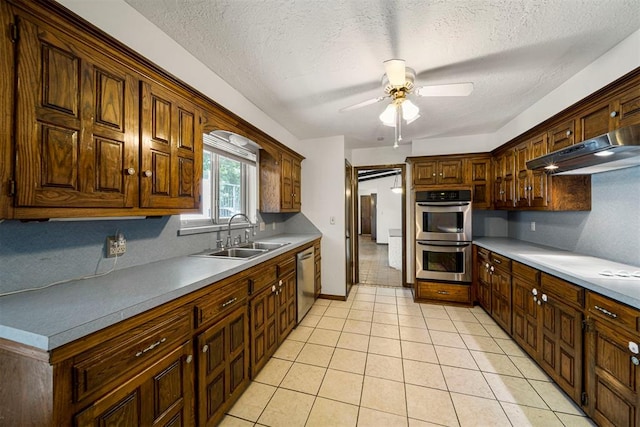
{"x": 229, "y": 186}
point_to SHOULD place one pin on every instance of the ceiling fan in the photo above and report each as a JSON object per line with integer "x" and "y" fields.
{"x": 398, "y": 83}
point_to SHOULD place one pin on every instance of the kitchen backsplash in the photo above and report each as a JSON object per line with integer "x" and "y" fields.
{"x": 37, "y": 253}
{"x": 611, "y": 230}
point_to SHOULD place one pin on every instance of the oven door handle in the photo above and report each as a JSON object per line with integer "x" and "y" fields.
{"x": 446, "y": 245}
{"x": 444, "y": 205}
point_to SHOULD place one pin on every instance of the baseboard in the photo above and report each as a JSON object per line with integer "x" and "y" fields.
{"x": 332, "y": 297}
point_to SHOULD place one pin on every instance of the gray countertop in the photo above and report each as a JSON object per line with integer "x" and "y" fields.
{"x": 52, "y": 317}
{"x": 582, "y": 270}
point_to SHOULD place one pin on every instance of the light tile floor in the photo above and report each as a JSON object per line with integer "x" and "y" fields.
{"x": 379, "y": 359}
{"x": 373, "y": 263}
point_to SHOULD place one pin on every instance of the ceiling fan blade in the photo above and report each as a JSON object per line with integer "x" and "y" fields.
{"x": 363, "y": 104}
{"x": 395, "y": 69}
{"x": 455, "y": 89}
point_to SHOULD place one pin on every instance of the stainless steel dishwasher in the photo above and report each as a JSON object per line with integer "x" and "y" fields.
{"x": 305, "y": 281}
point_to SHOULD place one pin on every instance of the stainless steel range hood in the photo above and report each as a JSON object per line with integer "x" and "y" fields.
{"x": 614, "y": 150}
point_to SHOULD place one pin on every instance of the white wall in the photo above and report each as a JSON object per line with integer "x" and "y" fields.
{"x": 388, "y": 208}
{"x": 323, "y": 198}
{"x": 453, "y": 145}
{"x": 380, "y": 155}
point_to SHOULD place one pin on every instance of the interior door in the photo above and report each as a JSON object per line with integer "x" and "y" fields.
{"x": 374, "y": 220}
{"x": 349, "y": 225}
{"x": 365, "y": 214}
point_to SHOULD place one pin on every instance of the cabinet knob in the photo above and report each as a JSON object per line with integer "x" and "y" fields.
{"x": 440, "y": 173}
{"x": 492, "y": 268}
{"x": 148, "y": 173}
{"x": 544, "y": 297}
{"x": 535, "y": 299}
{"x": 633, "y": 347}
{"x": 205, "y": 348}
{"x": 539, "y": 302}
{"x": 534, "y": 291}
{"x": 613, "y": 114}
{"x": 486, "y": 266}
{"x": 434, "y": 174}
{"x": 131, "y": 171}
{"x": 280, "y": 283}
{"x": 189, "y": 358}
{"x": 635, "y": 360}
{"x": 568, "y": 133}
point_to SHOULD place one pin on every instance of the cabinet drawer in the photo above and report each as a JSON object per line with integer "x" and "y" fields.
{"x": 221, "y": 301}
{"x": 501, "y": 262}
{"x": 286, "y": 266}
{"x": 531, "y": 275}
{"x": 567, "y": 292}
{"x": 261, "y": 279}
{"x": 444, "y": 292}
{"x": 128, "y": 353}
{"x": 613, "y": 311}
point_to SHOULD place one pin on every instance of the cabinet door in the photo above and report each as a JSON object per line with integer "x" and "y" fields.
{"x": 612, "y": 379}
{"x": 263, "y": 328}
{"x": 425, "y": 173}
{"x": 161, "y": 395}
{"x": 296, "y": 172}
{"x": 171, "y": 150}
{"x": 522, "y": 154}
{"x": 286, "y": 183}
{"x": 450, "y": 172}
{"x": 561, "y": 344}
{"x": 562, "y": 136}
{"x": 501, "y": 298}
{"x": 525, "y": 315}
{"x": 76, "y": 115}
{"x": 223, "y": 365}
{"x": 479, "y": 172}
{"x": 484, "y": 284}
{"x": 498, "y": 181}
{"x": 509, "y": 179}
{"x": 627, "y": 108}
{"x": 538, "y": 187}
{"x": 286, "y": 305}
{"x": 594, "y": 122}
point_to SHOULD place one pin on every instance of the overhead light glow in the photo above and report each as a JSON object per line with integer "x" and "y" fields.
{"x": 410, "y": 112}
{"x": 551, "y": 167}
{"x": 604, "y": 153}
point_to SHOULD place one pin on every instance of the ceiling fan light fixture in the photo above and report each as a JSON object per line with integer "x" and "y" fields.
{"x": 388, "y": 116}
{"x": 410, "y": 111}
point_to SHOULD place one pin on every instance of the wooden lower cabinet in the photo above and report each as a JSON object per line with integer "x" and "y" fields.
{"x": 161, "y": 395}
{"x": 223, "y": 366}
{"x": 612, "y": 375}
{"x": 501, "y": 297}
{"x": 482, "y": 278}
{"x": 525, "y": 323}
{"x": 453, "y": 293}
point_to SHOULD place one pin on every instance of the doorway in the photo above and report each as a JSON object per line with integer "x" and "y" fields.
{"x": 380, "y": 215}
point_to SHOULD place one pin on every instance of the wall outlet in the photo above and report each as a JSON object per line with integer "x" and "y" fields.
{"x": 116, "y": 245}
{"x": 532, "y": 226}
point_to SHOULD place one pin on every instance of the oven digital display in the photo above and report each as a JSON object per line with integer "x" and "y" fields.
{"x": 443, "y": 222}
{"x": 445, "y": 262}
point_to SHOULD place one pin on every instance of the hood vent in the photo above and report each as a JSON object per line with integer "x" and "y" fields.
{"x": 614, "y": 150}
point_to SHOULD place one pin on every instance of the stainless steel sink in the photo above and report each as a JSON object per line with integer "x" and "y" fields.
{"x": 263, "y": 245}
{"x": 243, "y": 251}
{"x": 240, "y": 253}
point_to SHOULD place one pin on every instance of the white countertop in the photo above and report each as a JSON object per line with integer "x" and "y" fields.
{"x": 583, "y": 270}
{"x": 52, "y": 317}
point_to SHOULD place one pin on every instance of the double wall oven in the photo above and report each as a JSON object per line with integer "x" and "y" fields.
{"x": 443, "y": 235}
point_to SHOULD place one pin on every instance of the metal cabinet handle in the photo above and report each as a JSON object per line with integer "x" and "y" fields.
{"x": 205, "y": 348}
{"x": 151, "y": 347}
{"x": 497, "y": 261}
{"x": 534, "y": 291}
{"x": 605, "y": 311}
{"x": 613, "y": 113}
{"x": 189, "y": 358}
{"x": 231, "y": 301}
{"x": 568, "y": 133}
{"x": 443, "y": 292}
{"x": 492, "y": 268}
{"x": 131, "y": 171}
{"x": 486, "y": 266}
{"x": 148, "y": 173}
{"x": 280, "y": 283}
{"x": 544, "y": 297}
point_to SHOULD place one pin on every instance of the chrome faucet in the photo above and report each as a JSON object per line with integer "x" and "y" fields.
{"x": 229, "y": 226}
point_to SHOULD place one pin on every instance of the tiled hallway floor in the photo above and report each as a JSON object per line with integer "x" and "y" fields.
{"x": 373, "y": 263}
{"x": 379, "y": 359}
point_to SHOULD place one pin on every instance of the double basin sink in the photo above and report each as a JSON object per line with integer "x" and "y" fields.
{"x": 243, "y": 251}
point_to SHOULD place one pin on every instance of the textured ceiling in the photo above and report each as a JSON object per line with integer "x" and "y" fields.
{"x": 300, "y": 61}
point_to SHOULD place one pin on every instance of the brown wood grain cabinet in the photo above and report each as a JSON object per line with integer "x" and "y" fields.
{"x": 483, "y": 277}
{"x": 446, "y": 171}
{"x": 612, "y": 375}
{"x": 280, "y": 182}
{"x": 478, "y": 174}
{"x": 531, "y": 186}
{"x": 500, "y": 273}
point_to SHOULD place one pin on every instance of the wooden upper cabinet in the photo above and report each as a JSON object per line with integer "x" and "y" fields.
{"x": 171, "y": 150}
{"x": 280, "y": 182}
{"x": 626, "y": 108}
{"x": 531, "y": 186}
{"x": 438, "y": 172}
{"x": 594, "y": 122}
{"x": 77, "y": 120}
{"x": 478, "y": 174}
{"x": 562, "y": 136}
